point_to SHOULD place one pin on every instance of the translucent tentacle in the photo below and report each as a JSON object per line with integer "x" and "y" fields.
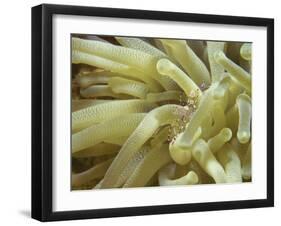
{"x": 141, "y": 45}
{"x": 168, "y": 172}
{"x": 234, "y": 89}
{"x": 182, "y": 155}
{"x": 244, "y": 126}
{"x": 123, "y": 55}
{"x": 130, "y": 87}
{"x": 101, "y": 112}
{"x": 166, "y": 67}
{"x": 217, "y": 71}
{"x": 138, "y": 44}
{"x": 237, "y": 72}
{"x": 191, "y": 63}
{"x": 161, "y": 137}
{"x": 100, "y": 91}
{"x": 208, "y": 162}
{"x": 171, "y": 95}
{"x": 219, "y": 119}
{"x": 84, "y": 103}
{"x": 166, "y": 82}
{"x": 246, "y": 51}
{"x": 131, "y": 166}
{"x": 160, "y": 116}
{"x": 151, "y": 163}
{"x": 231, "y": 163}
{"x": 100, "y": 132}
{"x": 239, "y": 148}
{"x": 205, "y": 105}
{"x": 95, "y": 172}
{"x": 88, "y": 80}
{"x": 100, "y": 62}
{"x": 216, "y": 143}
{"x": 117, "y": 140}
{"x": 232, "y": 118}
{"x": 221, "y": 92}
{"x": 156, "y": 142}
{"x": 247, "y": 164}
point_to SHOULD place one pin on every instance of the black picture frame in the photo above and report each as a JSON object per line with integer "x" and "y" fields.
{"x": 42, "y": 108}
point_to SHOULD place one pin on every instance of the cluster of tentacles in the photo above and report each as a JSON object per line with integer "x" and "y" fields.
{"x": 156, "y": 112}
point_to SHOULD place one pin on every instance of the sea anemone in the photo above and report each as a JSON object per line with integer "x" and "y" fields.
{"x": 159, "y": 112}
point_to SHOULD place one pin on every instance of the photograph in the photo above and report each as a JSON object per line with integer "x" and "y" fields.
{"x": 141, "y": 112}
{"x": 154, "y": 111}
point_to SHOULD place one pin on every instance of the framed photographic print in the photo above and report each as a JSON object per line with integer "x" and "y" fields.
{"x": 146, "y": 112}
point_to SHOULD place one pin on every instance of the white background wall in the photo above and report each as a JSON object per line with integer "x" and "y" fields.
{"x": 15, "y": 45}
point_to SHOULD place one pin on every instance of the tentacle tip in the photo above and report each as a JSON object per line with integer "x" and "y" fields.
{"x": 243, "y": 97}
{"x": 180, "y": 155}
{"x": 227, "y": 133}
{"x": 193, "y": 177}
{"x": 163, "y": 65}
{"x": 243, "y": 137}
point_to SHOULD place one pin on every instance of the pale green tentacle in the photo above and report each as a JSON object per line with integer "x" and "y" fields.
{"x": 102, "y": 131}
{"x": 166, "y": 67}
{"x": 246, "y": 51}
{"x": 135, "y": 58}
{"x": 232, "y": 117}
{"x": 247, "y": 164}
{"x": 117, "y": 140}
{"x": 151, "y": 163}
{"x": 138, "y": 44}
{"x": 131, "y": 166}
{"x": 182, "y": 155}
{"x": 237, "y": 72}
{"x": 245, "y": 114}
{"x": 221, "y": 92}
{"x": 219, "y": 119}
{"x": 234, "y": 89}
{"x": 208, "y": 162}
{"x": 129, "y": 87}
{"x": 171, "y": 95}
{"x": 205, "y": 105}
{"x": 85, "y": 81}
{"x": 166, "y": 82}
{"x": 217, "y": 71}
{"x": 161, "y": 137}
{"x": 100, "y": 91}
{"x": 86, "y": 58}
{"x": 101, "y": 112}
{"x": 239, "y": 148}
{"x": 84, "y": 103}
{"x": 95, "y": 172}
{"x": 231, "y": 163}
{"x": 156, "y": 142}
{"x": 158, "y": 117}
{"x": 215, "y": 143}
{"x": 191, "y": 63}
{"x": 168, "y": 172}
